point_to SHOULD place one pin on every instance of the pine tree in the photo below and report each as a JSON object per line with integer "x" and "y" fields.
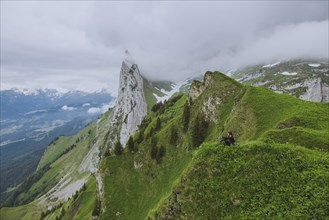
{"x": 186, "y": 116}
{"x": 154, "y": 148}
{"x": 173, "y": 136}
{"x": 96, "y": 210}
{"x": 158, "y": 124}
{"x": 151, "y": 132}
{"x": 160, "y": 154}
{"x": 198, "y": 130}
{"x": 118, "y": 149}
{"x": 130, "y": 144}
{"x": 140, "y": 136}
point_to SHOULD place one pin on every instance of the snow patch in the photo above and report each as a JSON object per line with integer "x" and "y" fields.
{"x": 67, "y": 108}
{"x": 250, "y": 77}
{"x": 314, "y": 64}
{"x": 167, "y": 94}
{"x": 231, "y": 72}
{"x": 288, "y": 74}
{"x": 271, "y": 65}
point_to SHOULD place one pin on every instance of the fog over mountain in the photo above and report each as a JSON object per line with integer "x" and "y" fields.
{"x": 80, "y": 45}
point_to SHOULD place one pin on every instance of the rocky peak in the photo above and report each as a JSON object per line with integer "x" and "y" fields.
{"x": 131, "y": 107}
{"x": 196, "y": 89}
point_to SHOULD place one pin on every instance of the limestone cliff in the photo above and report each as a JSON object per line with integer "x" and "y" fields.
{"x": 131, "y": 106}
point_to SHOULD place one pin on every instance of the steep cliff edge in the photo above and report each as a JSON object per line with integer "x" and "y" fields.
{"x": 131, "y": 106}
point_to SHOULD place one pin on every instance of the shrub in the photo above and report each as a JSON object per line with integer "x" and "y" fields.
{"x": 198, "y": 130}
{"x": 160, "y": 154}
{"x": 173, "y": 136}
{"x": 158, "y": 124}
{"x": 118, "y": 149}
{"x": 130, "y": 144}
{"x": 154, "y": 148}
{"x": 186, "y": 116}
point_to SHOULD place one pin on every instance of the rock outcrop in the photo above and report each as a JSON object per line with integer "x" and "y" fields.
{"x": 131, "y": 106}
{"x": 198, "y": 87}
{"x": 317, "y": 91}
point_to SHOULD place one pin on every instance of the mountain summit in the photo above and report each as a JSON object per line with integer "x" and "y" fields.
{"x": 131, "y": 107}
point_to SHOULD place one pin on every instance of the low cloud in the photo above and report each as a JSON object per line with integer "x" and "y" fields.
{"x": 67, "y": 108}
{"x": 80, "y": 45}
{"x": 104, "y": 108}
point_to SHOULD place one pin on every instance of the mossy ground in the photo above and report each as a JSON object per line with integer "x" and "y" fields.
{"x": 251, "y": 181}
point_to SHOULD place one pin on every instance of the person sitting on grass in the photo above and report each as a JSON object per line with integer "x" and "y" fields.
{"x": 229, "y": 139}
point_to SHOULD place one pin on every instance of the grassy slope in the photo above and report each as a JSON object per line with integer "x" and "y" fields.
{"x": 251, "y": 113}
{"x": 29, "y": 211}
{"x": 131, "y": 193}
{"x": 54, "y": 150}
{"x": 149, "y": 90}
{"x": 83, "y": 206}
{"x": 262, "y": 111}
{"x": 166, "y": 85}
{"x": 79, "y": 208}
{"x": 252, "y": 181}
{"x": 229, "y": 93}
{"x": 68, "y": 163}
{"x": 271, "y": 118}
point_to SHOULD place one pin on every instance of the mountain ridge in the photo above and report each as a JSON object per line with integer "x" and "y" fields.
{"x": 303, "y": 78}
{"x": 178, "y": 139}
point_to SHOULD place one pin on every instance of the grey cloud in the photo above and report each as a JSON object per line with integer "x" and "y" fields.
{"x": 77, "y": 44}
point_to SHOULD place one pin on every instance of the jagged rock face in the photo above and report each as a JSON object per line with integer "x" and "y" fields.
{"x": 317, "y": 91}
{"x": 198, "y": 87}
{"x": 131, "y": 107}
{"x": 210, "y": 108}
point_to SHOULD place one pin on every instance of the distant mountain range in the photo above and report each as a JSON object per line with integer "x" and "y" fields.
{"x": 307, "y": 79}
{"x": 30, "y": 120}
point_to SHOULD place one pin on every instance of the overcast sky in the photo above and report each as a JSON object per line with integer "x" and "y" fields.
{"x": 80, "y": 45}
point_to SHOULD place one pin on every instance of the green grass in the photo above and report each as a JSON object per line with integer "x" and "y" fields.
{"x": 82, "y": 207}
{"x": 166, "y": 85}
{"x": 132, "y": 192}
{"x": 310, "y": 138}
{"x": 261, "y": 110}
{"x": 54, "y": 150}
{"x": 28, "y": 212}
{"x": 149, "y": 90}
{"x": 67, "y": 164}
{"x": 229, "y": 92}
{"x": 252, "y": 181}
{"x": 252, "y": 113}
